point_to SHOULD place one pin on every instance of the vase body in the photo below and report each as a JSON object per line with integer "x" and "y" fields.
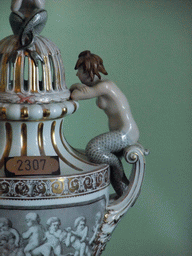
{"x": 74, "y": 200}
{"x": 53, "y": 201}
{"x": 74, "y": 204}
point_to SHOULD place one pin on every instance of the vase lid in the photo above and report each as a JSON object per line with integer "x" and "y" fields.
{"x": 21, "y": 79}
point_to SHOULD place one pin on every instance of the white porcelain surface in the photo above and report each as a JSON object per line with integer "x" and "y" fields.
{"x": 70, "y": 213}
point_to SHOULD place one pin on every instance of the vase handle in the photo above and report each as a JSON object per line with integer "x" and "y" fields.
{"x": 134, "y": 154}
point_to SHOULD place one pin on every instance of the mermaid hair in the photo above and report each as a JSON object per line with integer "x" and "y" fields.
{"x": 91, "y": 63}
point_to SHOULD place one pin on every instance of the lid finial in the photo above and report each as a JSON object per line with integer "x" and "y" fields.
{"x": 27, "y": 19}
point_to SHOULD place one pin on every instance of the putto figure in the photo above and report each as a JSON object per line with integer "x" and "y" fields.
{"x": 106, "y": 148}
{"x": 53, "y": 237}
{"x": 78, "y": 239}
{"x": 35, "y": 234}
{"x": 6, "y": 229}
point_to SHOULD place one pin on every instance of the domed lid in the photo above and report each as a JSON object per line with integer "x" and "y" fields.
{"x": 23, "y": 80}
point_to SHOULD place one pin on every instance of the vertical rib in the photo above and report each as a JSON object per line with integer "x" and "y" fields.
{"x": 53, "y": 140}
{"x": 23, "y": 139}
{"x": 40, "y": 139}
{"x": 8, "y": 143}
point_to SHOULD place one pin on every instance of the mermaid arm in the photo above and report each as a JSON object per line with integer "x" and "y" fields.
{"x": 85, "y": 92}
{"x": 77, "y": 86}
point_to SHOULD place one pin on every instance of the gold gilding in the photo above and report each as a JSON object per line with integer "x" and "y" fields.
{"x": 18, "y": 74}
{"x": 53, "y": 188}
{"x": 23, "y": 139}
{"x": 53, "y": 140}
{"x": 8, "y": 144}
{"x": 47, "y": 78}
{"x": 33, "y": 77}
{"x": 58, "y": 74}
{"x": 40, "y": 139}
{"x": 64, "y": 111}
{"x": 3, "y": 111}
{"x": 24, "y": 113}
{"x": 4, "y": 73}
{"x": 46, "y": 113}
{"x": 58, "y": 186}
{"x": 75, "y": 106}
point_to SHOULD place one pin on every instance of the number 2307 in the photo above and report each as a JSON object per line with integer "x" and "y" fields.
{"x": 31, "y": 165}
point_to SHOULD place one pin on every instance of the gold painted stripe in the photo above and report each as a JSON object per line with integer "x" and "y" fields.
{"x": 33, "y": 82}
{"x": 46, "y": 113}
{"x": 75, "y": 106}
{"x": 8, "y": 143}
{"x": 57, "y": 73}
{"x": 18, "y": 71}
{"x": 40, "y": 139}
{"x": 3, "y": 112}
{"x": 67, "y": 149}
{"x": 4, "y": 73}
{"x": 24, "y": 113}
{"x": 64, "y": 111}
{"x": 53, "y": 140}
{"x": 47, "y": 74}
{"x": 23, "y": 139}
{"x": 18, "y": 78}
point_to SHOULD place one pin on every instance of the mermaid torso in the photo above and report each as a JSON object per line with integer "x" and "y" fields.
{"x": 107, "y": 148}
{"x": 115, "y": 105}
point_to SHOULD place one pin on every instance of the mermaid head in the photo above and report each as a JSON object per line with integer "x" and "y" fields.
{"x": 91, "y": 64}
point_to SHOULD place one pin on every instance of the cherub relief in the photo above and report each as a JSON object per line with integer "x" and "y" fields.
{"x": 35, "y": 233}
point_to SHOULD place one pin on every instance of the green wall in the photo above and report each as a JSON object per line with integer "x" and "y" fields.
{"x": 147, "y": 51}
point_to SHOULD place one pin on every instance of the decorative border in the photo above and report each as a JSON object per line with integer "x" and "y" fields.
{"x": 37, "y": 112}
{"x": 52, "y": 188}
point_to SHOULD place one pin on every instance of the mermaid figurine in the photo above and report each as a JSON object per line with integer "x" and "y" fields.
{"x": 27, "y": 19}
{"x": 106, "y": 148}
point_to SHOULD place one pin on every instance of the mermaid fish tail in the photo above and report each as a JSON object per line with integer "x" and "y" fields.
{"x": 102, "y": 150}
